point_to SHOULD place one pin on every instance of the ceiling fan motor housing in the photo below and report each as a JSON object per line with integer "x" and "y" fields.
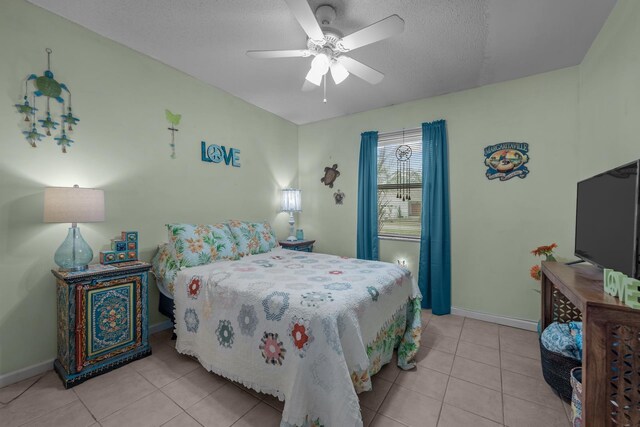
{"x": 326, "y": 14}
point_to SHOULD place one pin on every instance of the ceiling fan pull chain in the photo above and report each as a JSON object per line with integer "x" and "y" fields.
{"x": 325, "y": 88}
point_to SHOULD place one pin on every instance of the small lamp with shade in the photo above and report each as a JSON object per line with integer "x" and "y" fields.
{"x": 291, "y": 202}
{"x": 73, "y": 205}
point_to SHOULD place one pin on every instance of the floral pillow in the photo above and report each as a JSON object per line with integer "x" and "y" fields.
{"x": 164, "y": 268}
{"x": 193, "y": 245}
{"x": 246, "y": 237}
{"x": 266, "y": 235}
{"x": 253, "y": 237}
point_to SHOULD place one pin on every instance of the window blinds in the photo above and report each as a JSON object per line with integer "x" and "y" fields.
{"x": 400, "y": 183}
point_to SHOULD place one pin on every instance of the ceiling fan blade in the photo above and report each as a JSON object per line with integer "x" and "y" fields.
{"x": 381, "y": 30}
{"x": 268, "y": 54}
{"x": 365, "y": 72}
{"x": 307, "y": 20}
{"x": 307, "y": 86}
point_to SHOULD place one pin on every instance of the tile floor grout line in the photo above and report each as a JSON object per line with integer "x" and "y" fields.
{"x": 377, "y": 411}
{"x": 25, "y": 390}
{"x": 183, "y": 412}
{"x": 520, "y": 355}
{"x": 387, "y": 416}
{"x": 126, "y": 406}
{"x": 449, "y": 378}
{"x": 501, "y": 380}
{"x": 481, "y": 345}
{"x": 242, "y": 416}
{"x": 85, "y": 406}
{"x": 466, "y": 410}
{"x": 531, "y": 401}
{"x": 32, "y": 420}
{"x": 471, "y": 360}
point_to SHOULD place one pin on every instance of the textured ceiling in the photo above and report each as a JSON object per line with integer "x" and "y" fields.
{"x": 447, "y": 45}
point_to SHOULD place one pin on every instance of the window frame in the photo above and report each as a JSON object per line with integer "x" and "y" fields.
{"x": 396, "y": 138}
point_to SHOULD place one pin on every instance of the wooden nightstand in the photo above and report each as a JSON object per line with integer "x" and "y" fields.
{"x": 102, "y": 319}
{"x": 298, "y": 245}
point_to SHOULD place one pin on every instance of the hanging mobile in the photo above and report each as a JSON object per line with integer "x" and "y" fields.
{"x": 32, "y": 134}
{"x": 25, "y": 108}
{"x": 69, "y": 119}
{"x": 48, "y": 123}
{"x": 403, "y": 171}
{"x": 47, "y": 86}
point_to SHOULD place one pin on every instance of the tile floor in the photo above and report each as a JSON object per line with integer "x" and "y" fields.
{"x": 469, "y": 373}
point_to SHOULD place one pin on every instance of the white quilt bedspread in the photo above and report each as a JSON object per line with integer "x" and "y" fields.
{"x": 291, "y": 324}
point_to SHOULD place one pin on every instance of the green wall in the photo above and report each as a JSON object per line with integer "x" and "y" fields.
{"x": 494, "y": 224}
{"x": 122, "y": 147}
{"x": 610, "y": 93}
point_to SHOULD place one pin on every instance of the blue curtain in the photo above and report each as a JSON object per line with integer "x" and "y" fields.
{"x": 434, "y": 278}
{"x": 367, "y": 237}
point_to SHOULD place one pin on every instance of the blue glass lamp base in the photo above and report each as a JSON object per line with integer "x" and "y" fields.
{"x": 74, "y": 254}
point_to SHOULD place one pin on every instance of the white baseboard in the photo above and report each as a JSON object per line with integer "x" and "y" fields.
{"x": 528, "y": 325}
{"x": 39, "y": 368}
{"x": 24, "y": 373}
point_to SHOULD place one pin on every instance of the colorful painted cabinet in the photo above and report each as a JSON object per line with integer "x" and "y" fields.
{"x": 102, "y": 319}
{"x": 298, "y": 245}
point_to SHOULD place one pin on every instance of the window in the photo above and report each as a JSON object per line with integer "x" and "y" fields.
{"x": 400, "y": 184}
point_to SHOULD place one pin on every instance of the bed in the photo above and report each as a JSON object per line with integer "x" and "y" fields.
{"x": 308, "y": 328}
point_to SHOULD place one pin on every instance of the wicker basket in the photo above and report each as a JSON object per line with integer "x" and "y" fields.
{"x": 576, "y": 400}
{"x": 556, "y": 370}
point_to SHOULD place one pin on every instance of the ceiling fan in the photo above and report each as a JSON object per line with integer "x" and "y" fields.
{"x": 328, "y": 46}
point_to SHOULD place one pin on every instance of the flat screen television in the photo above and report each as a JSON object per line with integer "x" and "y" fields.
{"x": 607, "y": 219}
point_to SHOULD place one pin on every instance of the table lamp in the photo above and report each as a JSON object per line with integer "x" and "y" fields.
{"x": 291, "y": 202}
{"x": 73, "y": 205}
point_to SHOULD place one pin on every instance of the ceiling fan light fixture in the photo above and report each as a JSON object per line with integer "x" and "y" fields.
{"x": 321, "y": 63}
{"x": 315, "y": 76}
{"x": 338, "y": 72}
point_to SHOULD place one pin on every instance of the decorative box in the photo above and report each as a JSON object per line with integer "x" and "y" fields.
{"x": 122, "y": 250}
{"x": 102, "y": 319}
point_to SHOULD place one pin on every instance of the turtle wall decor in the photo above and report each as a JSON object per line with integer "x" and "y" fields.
{"x": 330, "y": 175}
{"x": 338, "y": 196}
{"x": 48, "y": 87}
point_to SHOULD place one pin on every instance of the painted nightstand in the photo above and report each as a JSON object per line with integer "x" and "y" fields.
{"x": 102, "y": 319}
{"x": 298, "y": 245}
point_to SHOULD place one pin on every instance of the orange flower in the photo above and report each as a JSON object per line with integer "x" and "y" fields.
{"x": 535, "y": 272}
{"x": 195, "y": 245}
{"x": 201, "y": 229}
{"x": 544, "y": 250}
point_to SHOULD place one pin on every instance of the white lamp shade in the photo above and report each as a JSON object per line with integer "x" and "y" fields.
{"x": 321, "y": 63}
{"x": 291, "y": 200}
{"x": 314, "y": 76}
{"x": 338, "y": 72}
{"x": 73, "y": 204}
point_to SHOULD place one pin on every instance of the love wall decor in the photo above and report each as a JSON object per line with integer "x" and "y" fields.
{"x": 219, "y": 153}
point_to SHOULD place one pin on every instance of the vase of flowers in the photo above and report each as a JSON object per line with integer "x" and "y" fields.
{"x": 547, "y": 252}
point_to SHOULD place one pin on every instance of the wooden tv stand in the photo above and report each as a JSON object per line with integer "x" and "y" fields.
{"x": 611, "y": 342}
